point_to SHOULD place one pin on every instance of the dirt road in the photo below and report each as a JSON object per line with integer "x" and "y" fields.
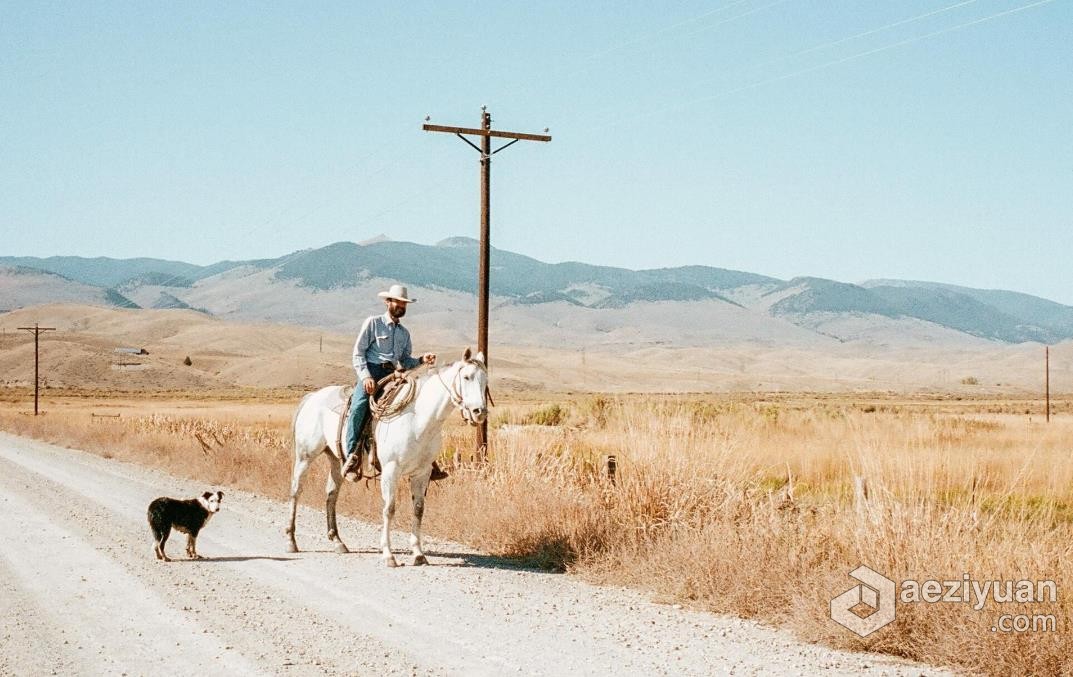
{"x": 81, "y": 593}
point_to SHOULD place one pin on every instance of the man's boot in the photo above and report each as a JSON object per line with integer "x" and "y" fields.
{"x": 352, "y": 465}
{"x": 438, "y": 473}
{"x": 355, "y": 463}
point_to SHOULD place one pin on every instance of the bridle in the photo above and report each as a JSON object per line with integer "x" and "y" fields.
{"x": 454, "y": 390}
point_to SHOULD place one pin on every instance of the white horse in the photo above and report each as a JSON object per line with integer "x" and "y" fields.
{"x": 406, "y": 444}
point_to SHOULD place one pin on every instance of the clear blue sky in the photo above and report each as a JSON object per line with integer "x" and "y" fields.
{"x": 684, "y": 132}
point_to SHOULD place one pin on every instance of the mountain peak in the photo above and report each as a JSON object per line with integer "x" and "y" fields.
{"x": 451, "y": 267}
{"x": 375, "y": 240}
{"x": 458, "y": 241}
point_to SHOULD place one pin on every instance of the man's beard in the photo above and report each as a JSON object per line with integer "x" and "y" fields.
{"x": 396, "y": 312}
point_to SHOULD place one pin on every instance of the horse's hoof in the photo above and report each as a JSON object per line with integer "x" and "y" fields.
{"x": 390, "y": 562}
{"x": 420, "y": 561}
{"x": 341, "y": 548}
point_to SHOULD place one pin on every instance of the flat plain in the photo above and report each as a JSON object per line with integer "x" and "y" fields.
{"x": 749, "y": 502}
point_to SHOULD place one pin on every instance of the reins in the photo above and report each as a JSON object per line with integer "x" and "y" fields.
{"x": 407, "y": 391}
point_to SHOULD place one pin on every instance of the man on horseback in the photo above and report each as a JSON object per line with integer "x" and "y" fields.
{"x": 383, "y": 345}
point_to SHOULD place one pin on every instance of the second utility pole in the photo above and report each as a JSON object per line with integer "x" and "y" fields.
{"x": 37, "y": 330}
{"x": 486, "y": 133}
{"x": 1047, "y": 378}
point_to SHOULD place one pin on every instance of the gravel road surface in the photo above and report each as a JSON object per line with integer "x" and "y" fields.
{"x": 81, "y": 593}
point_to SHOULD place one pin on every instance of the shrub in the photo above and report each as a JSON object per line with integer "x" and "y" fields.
{"x": 552, "y": 414}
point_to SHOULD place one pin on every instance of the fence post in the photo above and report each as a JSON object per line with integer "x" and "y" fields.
{"x": 611, "y": 467}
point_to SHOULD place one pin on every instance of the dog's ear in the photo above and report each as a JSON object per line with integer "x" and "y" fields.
{"x": 207, "y": 495}
{"x": 219, "y": 495}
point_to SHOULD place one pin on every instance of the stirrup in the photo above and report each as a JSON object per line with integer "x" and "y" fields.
{"x": 370, "y": 467}
{"x": 352, "y": 467}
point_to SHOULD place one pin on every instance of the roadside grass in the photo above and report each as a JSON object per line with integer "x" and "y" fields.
{"x": 746, "y": 505}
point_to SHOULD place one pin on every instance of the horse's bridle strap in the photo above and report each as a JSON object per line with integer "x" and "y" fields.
{"x": 453, "y": 389}
{"x": 456, "y": 399}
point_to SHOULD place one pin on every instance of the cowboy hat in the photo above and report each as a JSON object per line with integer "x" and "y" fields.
{"x": 397, "y": 292}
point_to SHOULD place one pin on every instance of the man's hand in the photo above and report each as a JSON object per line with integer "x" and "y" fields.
{"x": 429, "y": 358}
{"x": 370, "y": 385}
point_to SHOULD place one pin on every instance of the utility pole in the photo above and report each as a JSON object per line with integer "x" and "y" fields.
{"x": 37, "y": 382}
{"x": 1047, "y": 378}
{"x": 486, "y": 133}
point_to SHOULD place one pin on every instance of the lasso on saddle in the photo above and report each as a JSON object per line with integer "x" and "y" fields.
{"x": 392, "y": 395}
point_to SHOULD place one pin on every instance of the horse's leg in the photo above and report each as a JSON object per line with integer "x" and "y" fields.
{"x": 301, "y": 464}
{"x": 418, "y": 487}
{"x": 388, "y": 481}
{"x": 335, "y": 479}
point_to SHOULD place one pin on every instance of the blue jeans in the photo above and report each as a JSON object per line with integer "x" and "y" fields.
{"x": 359, "y": 408}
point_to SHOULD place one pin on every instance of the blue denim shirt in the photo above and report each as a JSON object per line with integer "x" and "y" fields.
{"x": 382, "y": 340}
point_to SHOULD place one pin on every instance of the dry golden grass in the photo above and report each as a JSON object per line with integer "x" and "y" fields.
{"x": 742, "y": 505}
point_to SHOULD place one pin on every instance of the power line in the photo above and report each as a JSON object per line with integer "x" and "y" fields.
{"x": 886, "y": 27}
{"x": 855, "y": 36}
{"x": 825, "y": 65}
{"x": 736, "y": 17}
{"x": 645, "y": 37}
{"x": 665, "y": 29}
{"x": 832, "y": 43}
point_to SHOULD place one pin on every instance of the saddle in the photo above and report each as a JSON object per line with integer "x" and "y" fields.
{"x": 388, "y": 391}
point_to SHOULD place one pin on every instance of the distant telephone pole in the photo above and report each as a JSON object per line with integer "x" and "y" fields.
{"x": 486, "y": 133}
{"x": 1047, "y": 378}
{"x": 37, "y": 382}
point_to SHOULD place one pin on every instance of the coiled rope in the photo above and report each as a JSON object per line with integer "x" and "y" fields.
{"x": 400, "y": 397}
{"x": 392, "y": 403}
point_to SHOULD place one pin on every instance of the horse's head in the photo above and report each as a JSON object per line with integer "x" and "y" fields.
{"x": 470, "y": 387}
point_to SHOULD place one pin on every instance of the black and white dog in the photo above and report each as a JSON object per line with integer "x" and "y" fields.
{"x": 188, "y": 516}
